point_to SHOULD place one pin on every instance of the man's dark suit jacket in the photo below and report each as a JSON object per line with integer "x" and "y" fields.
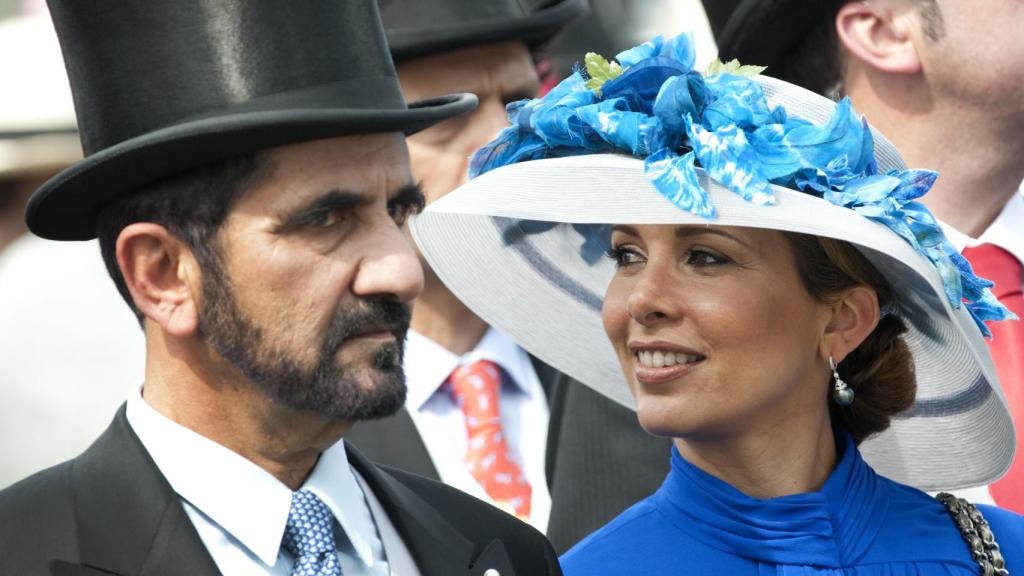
{"x": 598, "y": 462}
{"x": 111, "y": 511}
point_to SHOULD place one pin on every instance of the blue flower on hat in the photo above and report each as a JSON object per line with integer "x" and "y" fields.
{"x": 653, "y": 105}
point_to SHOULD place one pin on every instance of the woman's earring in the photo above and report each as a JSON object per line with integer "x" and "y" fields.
{"x": 841, "y": 393}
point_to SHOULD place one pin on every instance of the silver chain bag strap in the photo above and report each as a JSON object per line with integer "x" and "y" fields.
{"x": 976, "y": 532}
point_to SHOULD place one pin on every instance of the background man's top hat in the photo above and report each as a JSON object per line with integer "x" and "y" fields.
{"x": 418, "y": 28}
{"x": 163, "y": 87}
{"x": 761, "y": 32}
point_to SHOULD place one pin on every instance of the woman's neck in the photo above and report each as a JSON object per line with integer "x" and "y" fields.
{"x": 780, "y": 461}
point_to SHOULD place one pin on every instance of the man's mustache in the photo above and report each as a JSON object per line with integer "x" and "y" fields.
{"x": 366, "y": 316}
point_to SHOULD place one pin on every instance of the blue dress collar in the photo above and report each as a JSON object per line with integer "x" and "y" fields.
{"x": 829, "y": 528}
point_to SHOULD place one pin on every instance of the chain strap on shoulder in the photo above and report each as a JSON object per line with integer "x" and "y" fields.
{"x": 976, "y": 532}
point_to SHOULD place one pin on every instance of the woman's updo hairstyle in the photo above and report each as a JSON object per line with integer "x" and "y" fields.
{"x": 881, "y": 369}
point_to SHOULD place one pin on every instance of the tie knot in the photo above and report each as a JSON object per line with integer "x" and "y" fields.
{"x": 309, "y": 534}
{"x": 475, "y": 388}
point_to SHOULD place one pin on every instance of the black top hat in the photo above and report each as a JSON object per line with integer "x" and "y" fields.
{"x": 163, "y": 87}
{"x": 422, "y": 27}
{"x": 762, "y": 32}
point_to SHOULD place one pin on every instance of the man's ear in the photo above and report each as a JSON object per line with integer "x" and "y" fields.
{"x": 853, "y": 318}
{"x": 162, "y": 276}
{"x": 880, "y": 35}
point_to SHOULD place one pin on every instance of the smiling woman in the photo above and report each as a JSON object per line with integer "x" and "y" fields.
{"x": 774, "y": 300}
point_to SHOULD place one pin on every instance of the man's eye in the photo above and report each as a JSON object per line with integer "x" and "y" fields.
{"x": 401, "y": 211}
{"x": 326, "y": 218}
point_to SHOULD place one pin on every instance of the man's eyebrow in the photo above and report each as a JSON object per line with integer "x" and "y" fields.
{"x": 335, "y": 199}
{"x": 410, "y": 195}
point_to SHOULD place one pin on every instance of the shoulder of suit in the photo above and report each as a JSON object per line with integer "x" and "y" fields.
{"x": 37, "y": 521}
{"x": 483, "y": 523}
{"x": 46, "y": 488}
{"x": 453, "y": 501}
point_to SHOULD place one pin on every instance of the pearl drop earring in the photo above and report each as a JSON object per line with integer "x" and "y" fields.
{"x": 841, "y": 393}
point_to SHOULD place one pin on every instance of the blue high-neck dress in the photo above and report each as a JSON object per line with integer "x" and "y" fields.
{"x": 858, "y": 524}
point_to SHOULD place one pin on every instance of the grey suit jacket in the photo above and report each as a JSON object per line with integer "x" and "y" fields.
{"x": 598, "y": 462}
{"x": 110, "y": 511}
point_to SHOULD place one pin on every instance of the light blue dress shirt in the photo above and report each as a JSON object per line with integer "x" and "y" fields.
{"x": 240, "y": 510}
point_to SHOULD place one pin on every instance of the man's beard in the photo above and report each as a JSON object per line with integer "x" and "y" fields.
{"x": 326, "y": 387}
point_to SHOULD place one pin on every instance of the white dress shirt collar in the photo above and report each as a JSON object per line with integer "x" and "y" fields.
{"x": 434, "y": 363}
{"x": 244, "y": 499}
{"x": 1007, "y": 231}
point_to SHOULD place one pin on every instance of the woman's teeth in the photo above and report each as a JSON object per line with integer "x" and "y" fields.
{"x": 661, "y": 359}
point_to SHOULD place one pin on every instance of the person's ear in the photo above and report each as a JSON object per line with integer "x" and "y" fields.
{"x": 162, "y": 276}
{"x": 879, "y": 35}
{"x": 852, "y": 319}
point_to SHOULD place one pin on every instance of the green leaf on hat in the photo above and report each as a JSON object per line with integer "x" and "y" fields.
{"x": 732, "y": 67}
{"x": 600, "y": 71}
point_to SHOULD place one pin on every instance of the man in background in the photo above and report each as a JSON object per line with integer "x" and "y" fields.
{"x": 575, "y": 458}
{"x": 944, "y": 80}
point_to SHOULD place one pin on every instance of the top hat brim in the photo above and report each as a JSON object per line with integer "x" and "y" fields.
{"x": 67, "y": 206}
{"x": 763, "y": 32}
{"x": 534, "y": 30}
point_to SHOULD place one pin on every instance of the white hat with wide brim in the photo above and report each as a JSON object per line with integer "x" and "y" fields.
{"x": 530, "y": 280}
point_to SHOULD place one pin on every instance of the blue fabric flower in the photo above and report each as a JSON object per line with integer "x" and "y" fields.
{"x": 660, "y": 109}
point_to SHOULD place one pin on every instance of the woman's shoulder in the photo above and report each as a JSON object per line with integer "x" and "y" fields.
{"x": 936, "y": 527}
{"x": 645, "y": 539}
{"x": 1008, "y": 528}
{"x": 603, "y": 550}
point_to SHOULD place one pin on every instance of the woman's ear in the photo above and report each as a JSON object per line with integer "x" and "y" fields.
{"x": 879, "y": 35}
{"x": 853, "y": 317}
{"x": 162, "y": 276}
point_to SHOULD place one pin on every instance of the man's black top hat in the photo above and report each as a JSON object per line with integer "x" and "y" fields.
{"x": 163, "y": 87}
{"x": 418, "y": 28}
{"x": 762, "y": 32}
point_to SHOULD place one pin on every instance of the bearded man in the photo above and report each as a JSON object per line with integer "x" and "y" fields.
{"x": 247, "y": 177}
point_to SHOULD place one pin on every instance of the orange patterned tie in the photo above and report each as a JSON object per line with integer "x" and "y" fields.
{"x": 475, "y": 389}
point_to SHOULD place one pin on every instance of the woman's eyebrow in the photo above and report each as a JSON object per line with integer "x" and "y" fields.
{"x": 688, "y": 231}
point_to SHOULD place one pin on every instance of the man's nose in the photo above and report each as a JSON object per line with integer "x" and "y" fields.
{"x": 389, "y": 267}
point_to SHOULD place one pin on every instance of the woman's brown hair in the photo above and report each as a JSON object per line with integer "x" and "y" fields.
{"x": 881, "y": 369}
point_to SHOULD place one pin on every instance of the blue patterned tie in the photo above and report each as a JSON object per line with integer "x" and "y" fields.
{"x": 309, "y": 536}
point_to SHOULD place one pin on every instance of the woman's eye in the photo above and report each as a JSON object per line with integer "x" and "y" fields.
{"x": 623, "y": 256}
{"x": 705, "y": 257}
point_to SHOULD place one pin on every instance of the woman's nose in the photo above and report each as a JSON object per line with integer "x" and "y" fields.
{"x": 650, "y": 300}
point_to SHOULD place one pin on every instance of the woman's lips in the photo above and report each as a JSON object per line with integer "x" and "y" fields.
{"x": 657, "y": 362}
{"x": 651, "y": 375}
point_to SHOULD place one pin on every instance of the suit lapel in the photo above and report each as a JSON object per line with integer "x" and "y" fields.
{"x": 556, "y": 387}
{"x": 436, "y": 546}
{"x": 378, "y": 440}
{"x": 128, "y": 518}
{"x": 546, "y": 374}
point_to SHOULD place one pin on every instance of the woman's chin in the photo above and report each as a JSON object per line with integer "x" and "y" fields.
{"x": 661, "y": 416}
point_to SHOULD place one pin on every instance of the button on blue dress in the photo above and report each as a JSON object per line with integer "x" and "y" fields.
{"x": 858, "y": 524}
